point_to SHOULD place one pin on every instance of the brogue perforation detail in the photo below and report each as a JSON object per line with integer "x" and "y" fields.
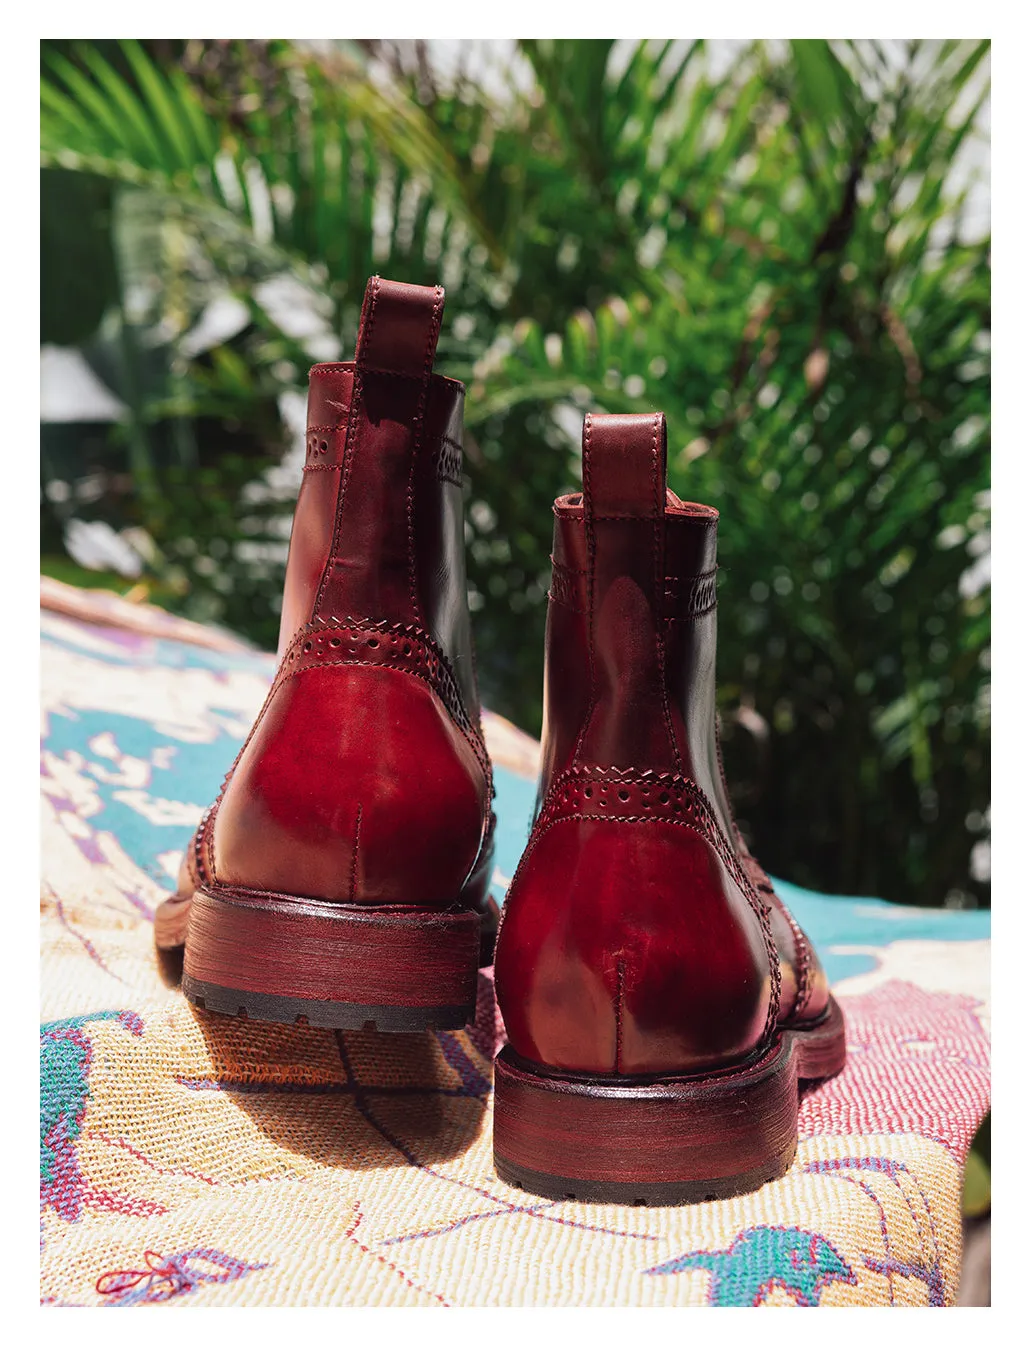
{"x": 684, "y": 599}
{"x": 406, "y": 647}
{"x": 804, "y": 966}
{"x": 625, "y": 792}
{"x": 423, "y": 660}
{"x": 626, "y": 795}
{"x": 197, "y": 857}
{"x": 802, "y": 949}
{"x": 449, "y": 459}
{"x": 690, "y": 597}
{"x": 320, "y": 451}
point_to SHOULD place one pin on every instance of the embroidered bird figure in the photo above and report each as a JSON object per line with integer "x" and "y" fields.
{"x": 764, "y": 1257}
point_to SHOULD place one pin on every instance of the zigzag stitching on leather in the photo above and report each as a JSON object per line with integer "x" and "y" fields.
{"x": 199, "y": 867}
{"x": 751, "y": 896}
{"x": 802, "y": 952}
{"x": 449, "y": 459}
{"x": 686, "y": 598}
{"x": 691, "y": 596}
{"x": 657, "y": 780}
{"x": 430, "y": 683}
{"x": 553, "y": 811}
{"x": 445, "y": 686}
{"x": 410, "y": 630}
{"x": 473, "y": 733}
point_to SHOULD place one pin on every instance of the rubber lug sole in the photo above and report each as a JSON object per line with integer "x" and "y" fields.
{"x": 250, "y": 1005}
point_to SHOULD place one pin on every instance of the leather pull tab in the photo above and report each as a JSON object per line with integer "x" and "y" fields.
{"x": 624, "y": 468}
{"x": 400, "y": 326}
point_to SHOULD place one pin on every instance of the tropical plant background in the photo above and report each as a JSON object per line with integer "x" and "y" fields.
{"x": 773, "y": 243}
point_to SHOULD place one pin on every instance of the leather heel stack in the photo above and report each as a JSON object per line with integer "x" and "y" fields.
{"x": 274, "y": 957}
{"x": 658, "y": 1142}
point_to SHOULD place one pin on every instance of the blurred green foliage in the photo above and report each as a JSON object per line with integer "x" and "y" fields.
{"x": 773, "y": 255}
{"x": 976, "y": 1180}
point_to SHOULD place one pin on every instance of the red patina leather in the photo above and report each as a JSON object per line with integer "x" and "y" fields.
{"x": 639, "y": 936}
{"x": 365, "y": 779}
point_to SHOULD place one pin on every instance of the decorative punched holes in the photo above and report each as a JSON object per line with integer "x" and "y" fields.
{"x": 318, "y": 448}
{"x": 674, "y": 798}
{"x": 679, "y": 800}
{"x": 364, "y": 643}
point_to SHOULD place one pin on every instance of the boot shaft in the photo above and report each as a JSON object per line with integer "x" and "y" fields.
{"x": 366, "y": 778}
{"x": 630, "y": 647}
{"x": 342, "y": 876}
{"x": 633, "y": 939}
{"x": 378, "y": 532}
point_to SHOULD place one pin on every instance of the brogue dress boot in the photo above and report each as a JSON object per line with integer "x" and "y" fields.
{"x": 341, "y": 878}
{"x": 660, "y": 1002}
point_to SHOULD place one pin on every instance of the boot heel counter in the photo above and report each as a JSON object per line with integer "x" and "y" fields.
{"x": 603, "y": 966}
{"x": 356, "y": 786}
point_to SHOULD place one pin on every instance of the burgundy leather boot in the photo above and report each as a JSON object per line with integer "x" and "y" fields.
{"x": 660, "y": 1002}
{"x": 341, "y": 877}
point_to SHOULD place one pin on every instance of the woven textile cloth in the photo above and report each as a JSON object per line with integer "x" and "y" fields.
{"x": 187, "y": 1158}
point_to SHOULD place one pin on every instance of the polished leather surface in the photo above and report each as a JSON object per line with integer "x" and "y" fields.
{"x": 628, "y": 948}
{"x": 365, "y": 778}
{"x": 639, "y": 936}
{"x": 358, "y": 786}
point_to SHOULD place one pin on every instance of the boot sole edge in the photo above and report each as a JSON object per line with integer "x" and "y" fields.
{"x": 281, "y": 959}
{"x": 670, "y": 1141}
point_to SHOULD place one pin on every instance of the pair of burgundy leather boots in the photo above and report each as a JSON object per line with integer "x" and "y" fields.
{"x": 660, "y": 1001}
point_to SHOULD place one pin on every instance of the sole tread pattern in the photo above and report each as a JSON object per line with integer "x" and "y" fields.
{"x": 247, "y": 1005}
